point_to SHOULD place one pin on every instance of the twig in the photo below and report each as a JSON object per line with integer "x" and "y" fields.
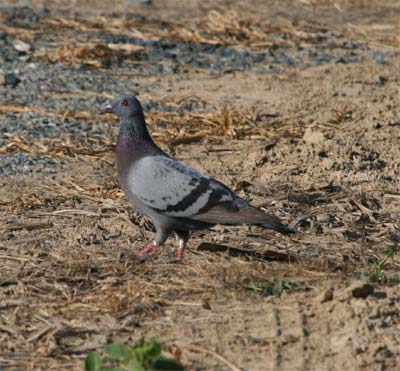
{"x": 364, "y": 210}
{"x": 197, "y": 348}
{"x": 29, "y": 239}
{"x": 28, "y": 227}
{"x": 73, "y": 212}
{"x": 10, "y": 257}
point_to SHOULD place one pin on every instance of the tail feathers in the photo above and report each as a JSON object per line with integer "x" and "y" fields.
{"x": 242, "y": 214}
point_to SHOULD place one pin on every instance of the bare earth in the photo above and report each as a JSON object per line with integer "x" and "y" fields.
{"x": 315, "y": 139}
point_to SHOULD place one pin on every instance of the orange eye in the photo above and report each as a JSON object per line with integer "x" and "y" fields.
{"x": 124, "y": 103}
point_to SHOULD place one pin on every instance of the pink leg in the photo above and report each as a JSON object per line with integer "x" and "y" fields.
{"x": 181, "y": 248}
{"x": 149, "y": 248}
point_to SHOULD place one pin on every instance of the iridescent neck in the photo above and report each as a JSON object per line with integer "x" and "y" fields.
{"x": 133, "y": 129}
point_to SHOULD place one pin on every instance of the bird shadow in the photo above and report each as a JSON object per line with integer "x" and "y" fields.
{"x": 268, "y": 255}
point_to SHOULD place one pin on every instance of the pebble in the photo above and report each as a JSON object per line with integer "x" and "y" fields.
{"x": 357, "y": 289}
{"x": 10, "y": 79}
{"x": 22, "y": 46}
{"x": 19, "y": 163}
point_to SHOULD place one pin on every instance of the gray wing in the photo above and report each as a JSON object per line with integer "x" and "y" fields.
{"x": 175, "y": 189}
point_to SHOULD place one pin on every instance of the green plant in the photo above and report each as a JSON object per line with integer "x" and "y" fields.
{"x": 272, "y": 288}
{"x": 143, "y": 356}
{"x": 377, "y": 274}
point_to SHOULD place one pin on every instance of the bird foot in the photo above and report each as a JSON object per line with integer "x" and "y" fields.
{"x": 149, "y": 248}
{"x": 181, "y": 248}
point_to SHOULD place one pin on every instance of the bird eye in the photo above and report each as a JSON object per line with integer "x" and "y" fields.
{"x": 124, "y": 103}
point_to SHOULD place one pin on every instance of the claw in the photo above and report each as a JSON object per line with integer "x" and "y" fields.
{"x": 149, "y": 248}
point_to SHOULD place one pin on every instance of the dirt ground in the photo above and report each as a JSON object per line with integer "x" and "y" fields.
{"x": 292, "y": 104}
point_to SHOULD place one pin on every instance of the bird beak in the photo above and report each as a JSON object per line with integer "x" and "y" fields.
{"x": 107, "y": 109}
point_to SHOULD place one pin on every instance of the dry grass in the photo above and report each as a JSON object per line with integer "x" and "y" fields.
{"x": 171, "y": 128}
{"x": 216, "y": 28}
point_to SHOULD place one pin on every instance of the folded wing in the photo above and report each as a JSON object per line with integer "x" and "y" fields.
{"x": 177, "y": 190}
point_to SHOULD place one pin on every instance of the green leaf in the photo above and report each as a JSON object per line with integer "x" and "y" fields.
{"x": 147, "y": 352}
{"x": 278, "y": 288}
{"x": 118, "y": 352}
{"x": 143, "y": 356}
{"x": 153, "y": 349}
{"x": 364, "y": 277}
{"x": 166, "y": 364}
{"x": 93, "y": 362}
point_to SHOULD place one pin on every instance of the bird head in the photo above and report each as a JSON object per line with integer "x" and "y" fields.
{"x": 125, "y": 106}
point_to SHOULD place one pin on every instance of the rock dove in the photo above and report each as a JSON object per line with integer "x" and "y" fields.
{"x": 176, "y": 197}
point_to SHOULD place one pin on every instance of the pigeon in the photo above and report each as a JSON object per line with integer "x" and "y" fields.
{"x": 174, "y": 196}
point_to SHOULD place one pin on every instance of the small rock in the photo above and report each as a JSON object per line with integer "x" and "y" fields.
{"x": 327, "y": 295}
{"x": 382, "y": 80}
{"x": 363, "y": 291}
{"x": 360, "y": 343}
{"x": 322, "y": 153}
{"x": 22, "y": 46}
{"x": 10, "y": 79}
{"x": 206, "y": 304}
{"x": 357, "y": 289}
{"x": 352, "y": 235}
{"x": 139, "y": 309}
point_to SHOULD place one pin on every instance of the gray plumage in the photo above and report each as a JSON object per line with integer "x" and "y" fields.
{"x": 176, "y": 197}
